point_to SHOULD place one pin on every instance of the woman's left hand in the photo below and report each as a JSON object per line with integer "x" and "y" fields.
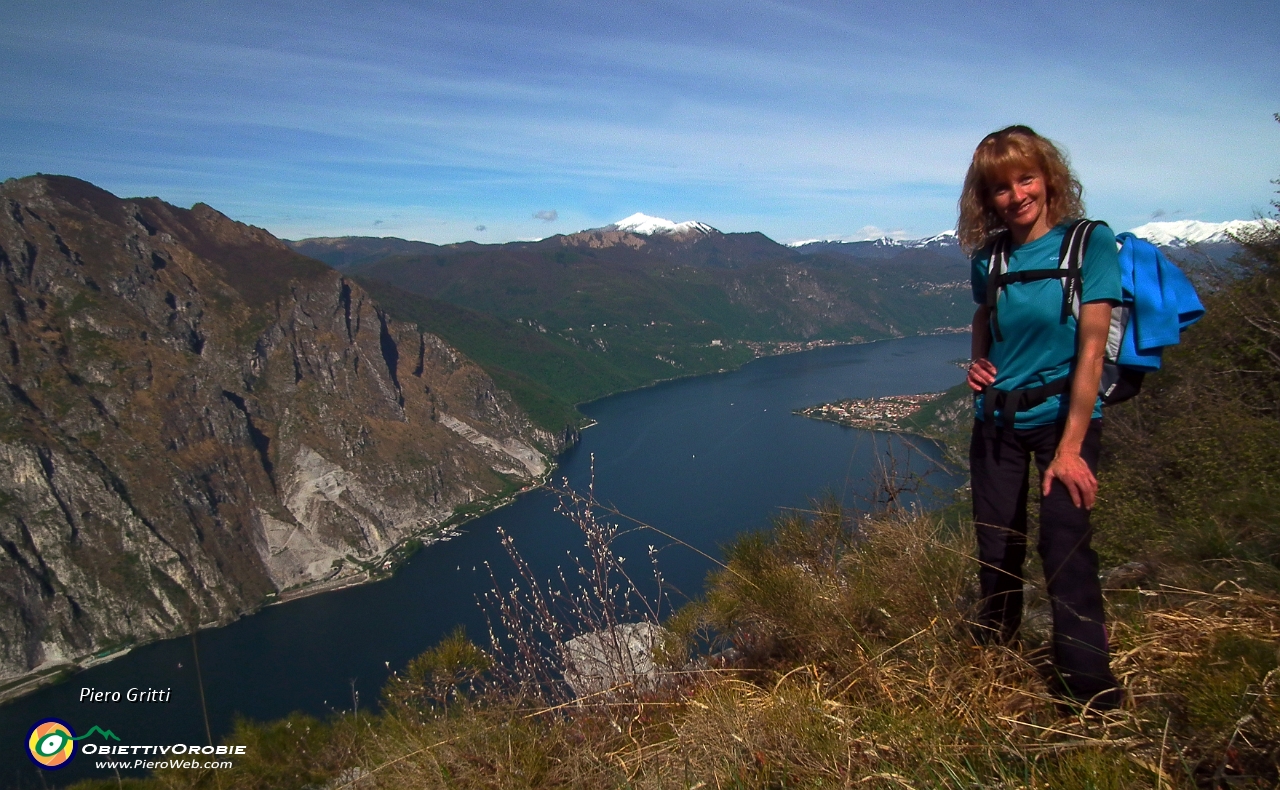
{"x": 1068, "y": 467}
{"x": 1071, "y": 470}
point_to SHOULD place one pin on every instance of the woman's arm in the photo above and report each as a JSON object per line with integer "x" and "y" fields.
{"x": 1067, "y": 466}
{"x": 981, "y": 372}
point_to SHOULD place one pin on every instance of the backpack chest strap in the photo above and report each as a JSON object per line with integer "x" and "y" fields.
{"x": 1030, "y": 275}
{"x": 1070, "y": 263}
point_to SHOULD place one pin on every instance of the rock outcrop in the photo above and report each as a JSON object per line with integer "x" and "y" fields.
{"x": 193, "y": 418}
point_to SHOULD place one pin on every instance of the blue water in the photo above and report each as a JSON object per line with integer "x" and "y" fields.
{"x": 703, "y": 459}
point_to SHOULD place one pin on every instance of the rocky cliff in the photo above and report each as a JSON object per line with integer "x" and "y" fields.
{"x": 193, "y": 417}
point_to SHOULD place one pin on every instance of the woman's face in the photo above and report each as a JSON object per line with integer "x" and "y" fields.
{"x": 1019, "y": 197}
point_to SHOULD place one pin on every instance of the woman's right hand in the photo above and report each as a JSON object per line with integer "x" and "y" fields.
{"x": 982, "y": 374}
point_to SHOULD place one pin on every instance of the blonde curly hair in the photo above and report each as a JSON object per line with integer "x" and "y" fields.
{"x": 1014, "y": 146}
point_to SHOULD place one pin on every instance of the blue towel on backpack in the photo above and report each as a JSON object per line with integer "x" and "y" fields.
{"x": 1162, "y": 302}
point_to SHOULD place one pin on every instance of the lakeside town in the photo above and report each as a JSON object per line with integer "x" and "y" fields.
{"x": 778, "y": 348}
{"x": 874, "y": 414}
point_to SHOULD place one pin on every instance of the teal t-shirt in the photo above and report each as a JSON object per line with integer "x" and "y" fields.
{"x": 1038, "y": 346}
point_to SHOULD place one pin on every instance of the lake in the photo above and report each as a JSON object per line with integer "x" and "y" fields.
{"x": 703, "y": 458}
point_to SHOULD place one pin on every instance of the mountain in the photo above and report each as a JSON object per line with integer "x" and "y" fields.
{"x": 646, "y": 225}
{"x": 1188, "y": 232}
{"x": 576, "y": 316}
{"x": 1203, "y": 249}
{"x": 640, "y": 237}
{"x": 706, "y": 284}
{"x": 195, "y": 420}
{"x": 945, "y": 245}
{"x": 946, "y": 238}
{"x": 573, "y": 317}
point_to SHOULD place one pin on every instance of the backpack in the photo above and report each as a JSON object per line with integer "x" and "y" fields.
{"x": 1123, "y": 364}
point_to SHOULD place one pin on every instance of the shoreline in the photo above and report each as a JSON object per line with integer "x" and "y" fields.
{"x": 780, "y": 349}
{"x": 374, "y": 569}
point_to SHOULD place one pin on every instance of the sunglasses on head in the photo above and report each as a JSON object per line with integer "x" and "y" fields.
{"x": 1008, "y": 130}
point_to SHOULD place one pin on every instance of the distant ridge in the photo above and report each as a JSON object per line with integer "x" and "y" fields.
{"x": 343, "y": 251}
{"x": 351, "y": 250}
{"x": 946, "y": 238}
{"x": 943, "y": 245}
{"x": 1177, "y": 234}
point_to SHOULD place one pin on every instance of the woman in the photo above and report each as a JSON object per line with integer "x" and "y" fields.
{"x": 1020, "y": 187}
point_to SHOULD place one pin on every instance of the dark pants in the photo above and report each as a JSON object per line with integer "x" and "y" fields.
{"x": 998, "y": 463}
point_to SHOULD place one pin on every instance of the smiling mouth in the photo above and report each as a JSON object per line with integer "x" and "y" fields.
{"x": 1025, "y": 208}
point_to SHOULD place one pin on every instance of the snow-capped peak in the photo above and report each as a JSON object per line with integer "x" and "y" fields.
{"x": 646, "y": 225}
{"x": 1192, "y": 231}
{"x": 946, "y": 238}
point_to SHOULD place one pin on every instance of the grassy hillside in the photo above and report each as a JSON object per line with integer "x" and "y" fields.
{"x": 1191, "y": 476}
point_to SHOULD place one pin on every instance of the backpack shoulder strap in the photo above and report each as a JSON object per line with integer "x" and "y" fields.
{"x": 1075, "y": 242}
{"x": 997, "y": 266}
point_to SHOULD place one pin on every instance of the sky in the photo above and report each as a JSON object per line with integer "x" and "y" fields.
{"x": 491, "y": 121}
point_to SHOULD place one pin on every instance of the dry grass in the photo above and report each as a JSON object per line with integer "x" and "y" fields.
{"x": 843, "y": 664}
{"x": 827, "y": 653}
